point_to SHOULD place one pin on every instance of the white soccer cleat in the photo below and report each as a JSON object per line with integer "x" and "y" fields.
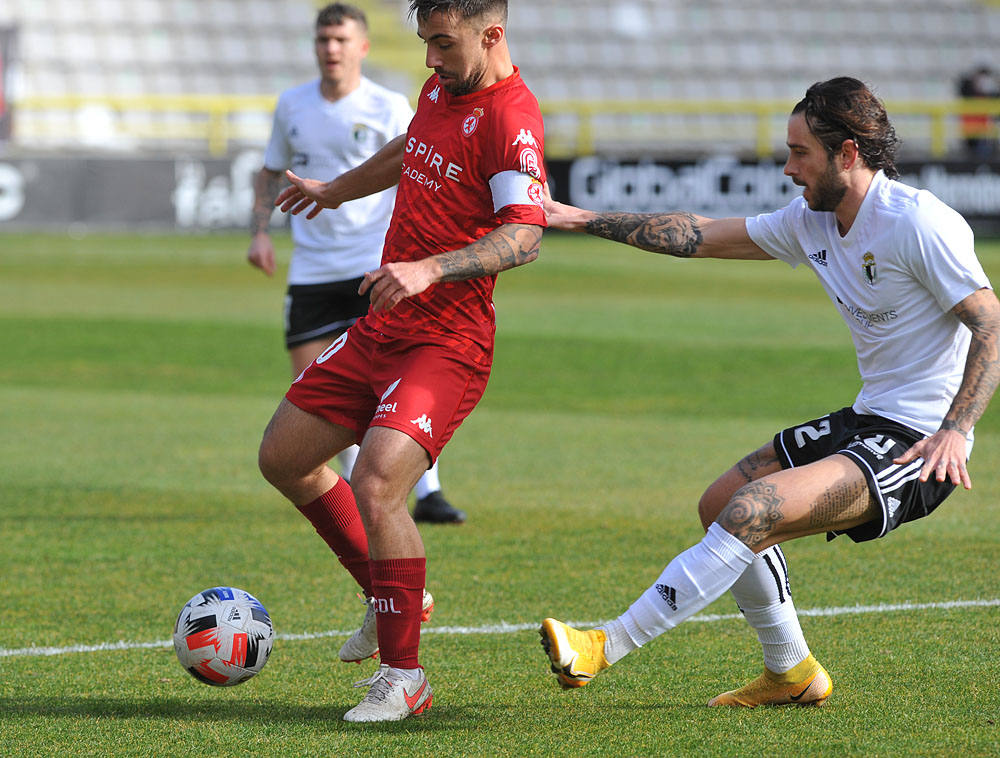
{"x": 392, "y": 697}
{"x": 363, "y": 644}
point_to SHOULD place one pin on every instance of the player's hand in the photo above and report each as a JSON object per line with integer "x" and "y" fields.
{"x": 393, "y": 282}
{"x": 301, "y": 194}
{"x": 261, "y": 253}
{"x": 944, "y": 454}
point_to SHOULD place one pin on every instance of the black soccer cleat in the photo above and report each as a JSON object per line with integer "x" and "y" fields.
{"x": 434, "y": 509}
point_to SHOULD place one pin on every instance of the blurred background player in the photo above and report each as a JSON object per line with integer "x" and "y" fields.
{"x": 324, "y": 128}
{"x": 979, "y": 129}
{"x": 403, "y": 378}
{"x": 901, "y": 268}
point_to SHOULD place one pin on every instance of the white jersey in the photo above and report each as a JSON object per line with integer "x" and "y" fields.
{"x": 322, "y": 139}
{"x": 907, "y": 260}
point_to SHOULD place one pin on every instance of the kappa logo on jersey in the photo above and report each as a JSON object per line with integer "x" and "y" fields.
{"x": 525, "y": 137}
{"x": 819, "y": 257}
{"x": 869, "y": 268}
{"x": 434, "y": 94}
{"x": 471, "y": 122}
{"x": 423, "y": 423}
{"x": 529, "y": 163}
{"x": 669, "y": 595}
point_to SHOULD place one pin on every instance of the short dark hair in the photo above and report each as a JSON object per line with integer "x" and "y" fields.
{"x": 422, "y": 9}
{"x": 335, "y": 14}
{"x": 845, "y": 108}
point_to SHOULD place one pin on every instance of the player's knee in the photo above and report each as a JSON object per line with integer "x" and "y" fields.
{"x": 269, "y": 461}
{"x": 712, "y": 501}
{"x": 368, "y": 487}
{"x": 277, "y": 467}
{"x": 752, "y": 509}
{"x": 377, "y": 495}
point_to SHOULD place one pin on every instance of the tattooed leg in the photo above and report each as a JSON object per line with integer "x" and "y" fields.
{"x": 831, "y": 494}
{"x": 753, "y": 466}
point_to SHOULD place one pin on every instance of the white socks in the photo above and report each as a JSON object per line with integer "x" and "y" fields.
{"x": 764, "y": 596}
{"x": 428, "y": 483}
{"x": 691, "y": 581}
{"x": 347, "y": 458}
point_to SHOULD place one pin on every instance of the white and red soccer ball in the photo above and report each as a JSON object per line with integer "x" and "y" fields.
{"x": 223, "y": 636}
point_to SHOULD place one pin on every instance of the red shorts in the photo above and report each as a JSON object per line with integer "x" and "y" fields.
{"x": 364, "y": 379}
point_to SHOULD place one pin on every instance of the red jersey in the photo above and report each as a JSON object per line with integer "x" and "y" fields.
{"x": 472, "y": 163}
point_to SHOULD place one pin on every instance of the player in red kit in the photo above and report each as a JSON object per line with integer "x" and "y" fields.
{"x": 401, "y": 380}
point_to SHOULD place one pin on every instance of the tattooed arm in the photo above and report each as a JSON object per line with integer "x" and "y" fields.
{"x": 505, "y": 247}
{"x": 944, "y": 452}
{"x": 266, "y": 185}
{"x": 683, "y": 235}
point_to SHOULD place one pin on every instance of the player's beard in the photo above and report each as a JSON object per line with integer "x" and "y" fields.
{"x": 471, "y": 83}
{"x": 828, "y": 190}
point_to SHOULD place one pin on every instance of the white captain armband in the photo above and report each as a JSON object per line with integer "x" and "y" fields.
{"x": 514, "y": 188}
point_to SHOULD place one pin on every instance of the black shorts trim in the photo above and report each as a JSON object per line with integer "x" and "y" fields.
{"x": 872, "y": 443}
{"x": 314, "y": 311}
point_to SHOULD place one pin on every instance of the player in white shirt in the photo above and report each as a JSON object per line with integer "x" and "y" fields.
{"x": 900, "y": 267}
{"x": 327, "y": 127}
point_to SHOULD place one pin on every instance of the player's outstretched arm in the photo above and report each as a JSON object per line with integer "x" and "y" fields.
{"x": 944, "y": 452}
{"x": 505, "y": 247}
{"x": 683, "y": 235}
{"x": 378, "y": 173}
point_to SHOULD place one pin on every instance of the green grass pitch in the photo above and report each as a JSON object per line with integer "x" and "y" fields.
{"x": 137, "y": 373}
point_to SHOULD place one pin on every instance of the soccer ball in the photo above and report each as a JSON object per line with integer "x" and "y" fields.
{"x": 223, "y": 636}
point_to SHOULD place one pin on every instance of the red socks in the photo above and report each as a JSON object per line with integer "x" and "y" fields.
{"x": 398, "y": 587}
{"x": 335, "y": 517}
{"x": 397, "y": 584}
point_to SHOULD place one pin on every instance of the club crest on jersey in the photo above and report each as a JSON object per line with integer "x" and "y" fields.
{"x": 365, "y": 138}
{"x": 535, "y": 193}
{"x": 869, "y": 269}
{"x": 471, "y": 122}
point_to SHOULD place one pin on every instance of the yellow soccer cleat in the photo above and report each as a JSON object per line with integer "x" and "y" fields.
{"x": 576, "y": 656}
{"x": 806, "y": 683}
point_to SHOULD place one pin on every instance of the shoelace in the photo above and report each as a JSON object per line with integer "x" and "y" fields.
{"x": 379, "y": 685}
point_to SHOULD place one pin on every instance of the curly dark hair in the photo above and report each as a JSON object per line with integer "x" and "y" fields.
{"x": 845, "y": 108}
{"x": 422, "y": 9}
{"x": 335, "y": 14}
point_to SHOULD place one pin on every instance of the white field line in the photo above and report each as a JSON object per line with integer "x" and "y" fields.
{"x": 505, "y": 628}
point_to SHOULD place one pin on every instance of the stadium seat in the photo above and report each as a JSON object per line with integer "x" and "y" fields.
{"x": 650, "y": 49}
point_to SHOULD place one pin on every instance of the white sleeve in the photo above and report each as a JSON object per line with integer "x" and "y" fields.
{"x": 402, "y": 115}
{"x": 940, "y": 246}
{"x": 278, "y": 155}
{"x": 774, "y": 233}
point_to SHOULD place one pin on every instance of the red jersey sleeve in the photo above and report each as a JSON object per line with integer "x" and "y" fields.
{"x": 518, "y": 166}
